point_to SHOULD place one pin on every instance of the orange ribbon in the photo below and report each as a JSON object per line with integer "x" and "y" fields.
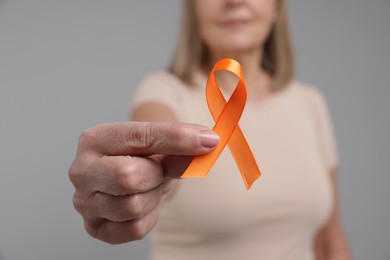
{"x": 226, "y": 116}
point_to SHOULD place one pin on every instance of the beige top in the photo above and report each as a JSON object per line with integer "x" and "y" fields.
{"x": 291, "y": 137}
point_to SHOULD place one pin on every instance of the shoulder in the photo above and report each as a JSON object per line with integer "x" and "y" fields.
{"x": 310, "y": 94}
{"x": 307, "y": 90}
{"x": 162, "y": 78}
{"x": 312, "y": 98}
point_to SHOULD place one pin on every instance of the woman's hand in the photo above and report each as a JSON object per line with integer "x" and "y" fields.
{"x": 121, "y": 170}
{"x": 331, "y": 242}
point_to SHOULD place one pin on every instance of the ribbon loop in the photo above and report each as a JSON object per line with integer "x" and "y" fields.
{"x": 226, "y": 116}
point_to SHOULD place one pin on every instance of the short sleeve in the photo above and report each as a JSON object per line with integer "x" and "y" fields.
{"x": 324, "y": 128}
{"x": 160, "y": 87}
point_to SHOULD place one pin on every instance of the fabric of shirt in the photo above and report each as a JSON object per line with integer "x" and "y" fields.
{"x": 291, "y": 137}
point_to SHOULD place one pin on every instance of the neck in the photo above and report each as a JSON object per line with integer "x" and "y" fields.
{"x": 257, "y": 80}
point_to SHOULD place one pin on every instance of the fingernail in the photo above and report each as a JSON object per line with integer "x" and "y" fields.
{"x": 208, "y": 138}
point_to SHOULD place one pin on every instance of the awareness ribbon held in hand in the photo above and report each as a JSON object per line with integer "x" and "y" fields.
{"x": 226, "y": 116}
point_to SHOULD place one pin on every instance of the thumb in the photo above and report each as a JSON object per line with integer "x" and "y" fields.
{"x": 148, "y": 138}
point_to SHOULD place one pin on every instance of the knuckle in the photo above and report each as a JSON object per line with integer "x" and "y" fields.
{"x": 78, "y": 204}
{"x": 141, "y": 137}
{"x": 74, "y": 173}
{"x": 101, "y": 232}
{"x": 139, "y": 229}
{"x": 127, "y": 177}
{"x": 135, "y": 206}
{"x": 86, "y": 136}
{"x": 78, "y": 173}
{"x": 92, "y": 229}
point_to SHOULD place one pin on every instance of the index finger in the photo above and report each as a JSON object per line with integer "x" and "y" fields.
{"x": 146, "y": 138}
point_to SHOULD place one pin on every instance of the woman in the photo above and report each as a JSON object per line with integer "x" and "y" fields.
{"x": 289, "y": 213}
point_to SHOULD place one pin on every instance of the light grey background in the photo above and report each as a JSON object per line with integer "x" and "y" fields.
{"x": 68, "y": 65}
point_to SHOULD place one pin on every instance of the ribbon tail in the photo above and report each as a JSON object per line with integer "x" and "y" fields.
{"x": 244, "y": 158}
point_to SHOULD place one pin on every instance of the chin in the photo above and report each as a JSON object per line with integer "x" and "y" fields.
{"x": 235, "y": 43}
{"x": 236, "y": 47}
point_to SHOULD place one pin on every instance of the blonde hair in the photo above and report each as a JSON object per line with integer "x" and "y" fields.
{"x": 191, "y": 53}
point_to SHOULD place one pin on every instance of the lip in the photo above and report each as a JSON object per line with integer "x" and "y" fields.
{"x": 235, "y": 23}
